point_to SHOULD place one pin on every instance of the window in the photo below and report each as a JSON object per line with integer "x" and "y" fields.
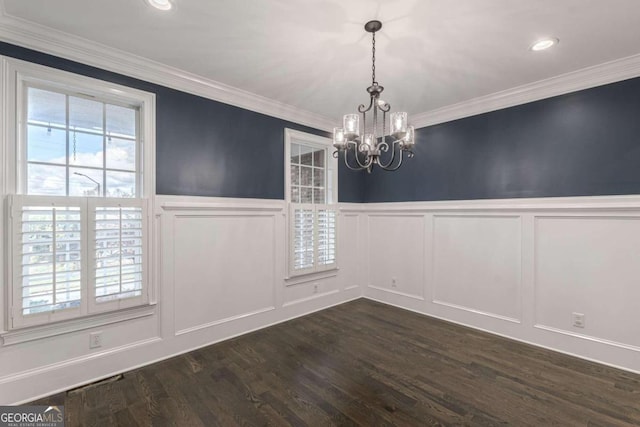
{"x": 311, "y": 186}
{"x": 78, "y": 229}
{"x": 79, "y": 146}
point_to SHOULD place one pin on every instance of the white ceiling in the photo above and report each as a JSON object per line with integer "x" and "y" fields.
{"x": 315, "y": 55}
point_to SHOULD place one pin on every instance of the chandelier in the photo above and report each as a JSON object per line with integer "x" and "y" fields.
{"x": 367, "y": 143}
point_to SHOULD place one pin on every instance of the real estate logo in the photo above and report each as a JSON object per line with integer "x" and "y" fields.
{"x": 31, "y": 416}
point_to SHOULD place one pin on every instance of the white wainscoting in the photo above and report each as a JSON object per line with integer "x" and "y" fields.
{"x": 517, "y": 268}
{"x": 231, "y": 269}
{"x": 395, "y": 253}
{"x": 589, "y": 265}
{"x": 476, "y": 264}
{"x": 350, "y": 245}
{"x": 219, "y": 269}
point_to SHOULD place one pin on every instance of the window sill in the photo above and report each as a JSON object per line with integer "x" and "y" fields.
{"x": 73, "y": 325}
{"x": 310, "y": 277}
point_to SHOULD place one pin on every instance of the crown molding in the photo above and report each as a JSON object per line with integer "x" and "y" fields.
{"x": 44, "y": 39}
{"x": 47, "y": 40}
{"x": 597, "y": 75}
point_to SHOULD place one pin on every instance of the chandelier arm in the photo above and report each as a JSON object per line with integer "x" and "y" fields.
{"x": 393, "y": 157}
{"x": 336, "y": 154}
{"x": 388, "y": 167}
{"x": 367, "y": 163}
{"x": 357, "y": 168}
{"x": 384, "y": 107}
{"x": 383, "y": 146}
{"x": 363, "y": 110}
{"x": 359, "y": 165}
{"x": 356, "y": 148}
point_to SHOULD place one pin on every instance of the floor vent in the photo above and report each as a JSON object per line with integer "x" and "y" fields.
{"x": 96, "y": 384}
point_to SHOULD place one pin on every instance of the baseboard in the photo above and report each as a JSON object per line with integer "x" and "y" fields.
{"x": 48, "y": 374}
{"x": 509, "y": 337}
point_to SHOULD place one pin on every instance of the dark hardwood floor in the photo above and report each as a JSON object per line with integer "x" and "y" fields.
{"x": 363, "y": 363}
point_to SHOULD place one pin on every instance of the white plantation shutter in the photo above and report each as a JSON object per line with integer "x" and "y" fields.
{"x": 313, "y": 238}
{"x": 75, "y": 256}
{"x": 118, "y": 256}
{"x": 326, "y": 247}
{"x": 302, "y": 232}
{"x": 48, "y": 259}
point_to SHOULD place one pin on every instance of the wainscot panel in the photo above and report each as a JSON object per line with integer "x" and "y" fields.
{"x": 521, "y": 268}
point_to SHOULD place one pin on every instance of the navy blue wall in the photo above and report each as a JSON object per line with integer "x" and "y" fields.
{"x": 207, "y": 148}
{"x": 583, "y": 143}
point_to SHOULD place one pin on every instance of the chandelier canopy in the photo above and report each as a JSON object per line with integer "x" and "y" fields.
{"x": 367, "y": 143}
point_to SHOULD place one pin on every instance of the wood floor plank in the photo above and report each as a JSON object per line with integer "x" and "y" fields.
{"x": 363, "y": 364}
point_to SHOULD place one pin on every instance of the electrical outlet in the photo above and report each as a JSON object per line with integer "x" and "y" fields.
{"x": 578, "y": 320}
{"x": 394, "y": 283}
{"x": 95, "y": 340}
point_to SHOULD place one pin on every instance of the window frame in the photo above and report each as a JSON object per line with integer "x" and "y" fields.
{"x": 22, "y": 101}
{"x": 331, "y": 172}
{"x": 20, "y": 74}
{"x": 315, "y": 141}
{"x": 15, "y": 76}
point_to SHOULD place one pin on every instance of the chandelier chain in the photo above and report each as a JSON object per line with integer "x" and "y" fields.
{"x": 373, "y": 59}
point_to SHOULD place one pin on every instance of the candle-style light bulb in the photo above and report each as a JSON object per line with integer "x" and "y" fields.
{"x": 409, "y": 139}
{"x": 398, "y": 124}
{"x": 339, "y": 140}
{"x": 351, "y": 126}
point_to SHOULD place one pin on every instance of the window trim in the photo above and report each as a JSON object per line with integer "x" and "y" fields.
{"x": 19, "y": 74}
{"x": 294, "y": 136}
{"x": 14, "y": 74}
{"x": 314, "y": 141}
{"x": 22, "y": 89}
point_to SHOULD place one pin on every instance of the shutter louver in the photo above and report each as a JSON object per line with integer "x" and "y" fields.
{"x": 303, "y": 238}
{"x": 313, "y": 238}
{"x": 118, "y": 253}
{"x": 326, "y": 225}
{"x": 50, "y": 253}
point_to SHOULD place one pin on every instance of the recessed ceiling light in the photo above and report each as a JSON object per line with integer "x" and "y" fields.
{"x": 160, "y": 4}
{"x": 544, "y": 44}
